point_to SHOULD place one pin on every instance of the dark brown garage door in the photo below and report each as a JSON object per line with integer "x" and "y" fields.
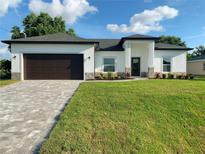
{"x": 53, "y": 66}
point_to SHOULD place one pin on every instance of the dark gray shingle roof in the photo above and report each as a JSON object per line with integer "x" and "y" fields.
{"x": 140, "y": 37}
{"x": 164, "y": 46}
{"x": 51, "y": 38}
{"x": 198, "y": 58}
{"x": 102, "y": 44}
{"x": 108, "y": 45}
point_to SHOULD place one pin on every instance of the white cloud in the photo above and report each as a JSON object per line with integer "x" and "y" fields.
{"x": 4, "y": 52}
{"x": 148, "y": 20}
{"x": 70, "y": 10}
{"x": 6, "y": 4}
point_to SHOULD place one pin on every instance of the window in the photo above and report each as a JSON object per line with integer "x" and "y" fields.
{"x": 109, "y": 65}
{"x": 204, "y": 66}
{"x": 166, "y": 64}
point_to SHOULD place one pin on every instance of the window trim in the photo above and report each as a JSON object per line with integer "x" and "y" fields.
{"x": 109, "y": 57}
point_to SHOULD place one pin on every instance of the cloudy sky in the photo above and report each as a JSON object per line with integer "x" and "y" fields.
{"x": 112, "y": 18}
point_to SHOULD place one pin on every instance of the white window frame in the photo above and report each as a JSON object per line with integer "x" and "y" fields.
{"x": 171, "y": 62}
{"x": 115, "y": 64}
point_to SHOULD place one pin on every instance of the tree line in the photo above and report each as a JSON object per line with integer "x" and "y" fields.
{"x": 42, "y": 24}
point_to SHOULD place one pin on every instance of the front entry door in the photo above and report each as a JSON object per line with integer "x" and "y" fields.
{"x": 135, "y": 66}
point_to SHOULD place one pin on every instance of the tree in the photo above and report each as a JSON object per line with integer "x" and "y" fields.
{"x": 37, "y": 25}
{"x": 171, "y": 40}
{"x": 198, "y": 51}
{"x": 189, "y": 56}
{"x": 71, "y": 31}
{"x": 5, "y": 69}
{"x": 16, "y": 33}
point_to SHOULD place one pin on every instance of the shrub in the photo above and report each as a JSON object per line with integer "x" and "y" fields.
{"x": 164, "y": 76}
{"x": 109, "y": 75}
{"x": 191, "y": 76}
{"x": 5, "y": 69}
{"x": 105, "y": 76}
{"x": 98, "y": 76}
{"x": 175, "y": 75}
{"x": 184, "y": 76}
{"x": 170, "y": 76}
{"x": 178, "y": 76}
{"x": 143, "y": 74}
{"x": 128, "y": 75}
{"x": 114, "y": 76}
{"x": 158, "y": 75}
{"x": 121, "y": 75}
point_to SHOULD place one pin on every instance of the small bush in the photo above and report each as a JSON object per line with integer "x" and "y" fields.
{"x": 5, "y": 69}
{"x": 114, "y": 76}
{"x": 143, "y": 74}
{"x": 5, "y": 74}
{"x": 98, "y": 75}
{"x": 158, "y": 75}
{"x": 109, "y": 75}
{"x": 191, "y": 76}
{"x": 121, "y": 75}
{"x": 128, "y": 75}
{"x": 164, "y": 76}
{"x": 178, "y": 76}
{"x": 105, "y": 76}
{"x": 170, "y": 76}
{"x": 184, "y": 76}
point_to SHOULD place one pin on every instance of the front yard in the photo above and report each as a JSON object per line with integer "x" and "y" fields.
{"x": 154, "y": 116}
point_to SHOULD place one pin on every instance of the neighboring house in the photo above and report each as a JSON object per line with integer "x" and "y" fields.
{"x": 196, "y": 65}
{"x": 61, "y": 56}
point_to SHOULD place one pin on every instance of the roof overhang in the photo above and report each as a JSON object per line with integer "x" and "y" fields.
{"x": 123, "y": 39}
{"x": 182, "y": 49}
{"x": 197, "y": 60}
{"x": 48, "y": 42}
{"x": 147, "y": 38}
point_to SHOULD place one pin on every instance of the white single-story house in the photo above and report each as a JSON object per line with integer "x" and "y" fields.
{"x": 62, "y": 56}
{"x": 196, "y": 65}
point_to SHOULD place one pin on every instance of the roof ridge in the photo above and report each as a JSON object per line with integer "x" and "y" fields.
{"x": 104, "y": 38}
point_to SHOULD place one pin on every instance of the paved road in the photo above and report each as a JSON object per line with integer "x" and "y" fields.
{"x": 28, "y": 110}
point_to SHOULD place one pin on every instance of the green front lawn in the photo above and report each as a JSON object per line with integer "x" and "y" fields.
{"x": 153, "y": 116}
{"x": 6, "y": 82}
{"x": 199, "y": 77}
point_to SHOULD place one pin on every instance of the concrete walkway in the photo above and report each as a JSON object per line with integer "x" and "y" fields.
{"x": 28, "y": 110}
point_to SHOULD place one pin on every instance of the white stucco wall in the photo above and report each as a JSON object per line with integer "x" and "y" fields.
{"x": 16, "y": 63}
{"x": 119, "y": 60}
{"x": 141, "y": 50}
{"x": 95, "y": 63}
{"x": 85, "y": 49}
{"x": 196, "y": 67}
{"x": 178, "y": 60}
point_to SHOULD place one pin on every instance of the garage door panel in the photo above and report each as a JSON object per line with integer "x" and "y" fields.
{"x": 53, "y": 66}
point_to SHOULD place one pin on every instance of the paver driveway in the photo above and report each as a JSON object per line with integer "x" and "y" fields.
{"x": 28, "y": 110}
